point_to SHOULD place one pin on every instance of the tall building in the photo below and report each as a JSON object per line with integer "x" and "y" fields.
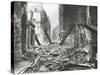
{"x": 85, "y": 15}
{"x": 61, "y": 17}
{"x": 55, "y": 33}
{"x": 19, "y": 29}
{"x": 45, "y": 25}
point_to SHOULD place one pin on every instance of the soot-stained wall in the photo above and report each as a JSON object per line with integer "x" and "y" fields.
{"x": 73, "y": 14}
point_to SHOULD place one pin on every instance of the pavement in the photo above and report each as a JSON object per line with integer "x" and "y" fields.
{"x": 21, "y": 65}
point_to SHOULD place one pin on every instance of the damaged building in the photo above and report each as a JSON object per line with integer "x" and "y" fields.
{"x": 43, "y": 42}
{"x": 83, "y": 15}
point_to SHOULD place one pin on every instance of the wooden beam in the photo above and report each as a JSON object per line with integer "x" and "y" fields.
{"x": 36, "y": 38}
{"x": 48, "y": 36}
{"x": 66, "y": 35}
{"x": 92, "y": 28}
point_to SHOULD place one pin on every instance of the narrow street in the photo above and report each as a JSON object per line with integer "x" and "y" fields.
{"x": 54, "y": 58}
{"x": 54, "y": 37}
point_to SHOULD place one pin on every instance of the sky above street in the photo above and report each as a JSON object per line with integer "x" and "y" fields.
{"x": 52, "y": 11}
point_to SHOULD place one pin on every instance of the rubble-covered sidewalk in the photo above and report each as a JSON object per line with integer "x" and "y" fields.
{"x": 54, "y": 58}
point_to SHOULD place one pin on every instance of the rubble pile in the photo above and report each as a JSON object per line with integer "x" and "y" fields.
{"x": 53, "y": 57}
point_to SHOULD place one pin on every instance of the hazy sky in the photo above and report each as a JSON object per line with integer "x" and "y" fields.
{"x": 53, "y": 13}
